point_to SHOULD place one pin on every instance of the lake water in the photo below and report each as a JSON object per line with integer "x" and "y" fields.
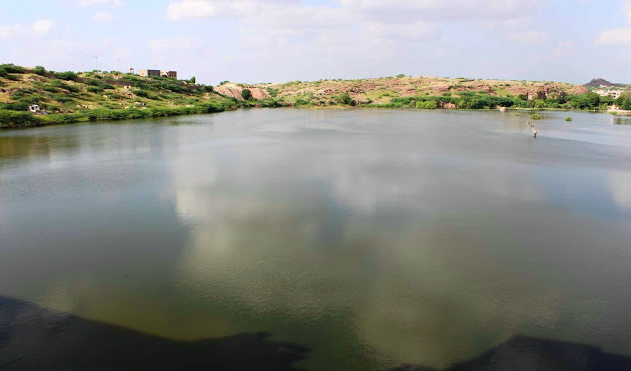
{"x": 374, "y": 238}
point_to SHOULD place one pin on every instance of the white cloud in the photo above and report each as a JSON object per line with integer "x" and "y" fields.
{"x": 189, "y": 9}
{"x": 529, "y": 37}
{"x": 113, "y": 3}
{"x": 42, "y": 27}
{"x": 36, "y": 29}
{"x": 406, "y": 11}
{"x": 103, "y": 17}
{"x": 183, "y": 9}
{"x": 615, "y": 36}
{"x": 564, "y": 49}
{"x": 174, "y": 44}
{"x": 413, "y": 31}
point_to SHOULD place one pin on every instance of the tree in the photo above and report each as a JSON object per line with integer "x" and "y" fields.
{"x": 624, "y": 101}
{"x": 40, "y": 70}
{"x": 344, "y": 98}
{"x": 193, "y": 80}
{"x": 246, "y": 94}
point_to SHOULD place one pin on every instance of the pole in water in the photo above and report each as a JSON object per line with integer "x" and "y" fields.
{"x": 534, "y": 132}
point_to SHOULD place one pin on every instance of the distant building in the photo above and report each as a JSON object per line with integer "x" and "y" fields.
{"x": 149, "y": 73}
{"x": 155, "y": 73}
{"x": 615, "y": 94}
{"x": 132, "y": 71}
{"x": 35, "y": 108}
{"x": 172, "y": 74}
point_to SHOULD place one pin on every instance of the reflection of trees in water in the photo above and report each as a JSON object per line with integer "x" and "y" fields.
{"x": 24, "y": 146}
{"x": 622, "y": 120}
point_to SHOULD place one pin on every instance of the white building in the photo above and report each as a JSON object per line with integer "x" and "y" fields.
{"x": 606, "y": 92}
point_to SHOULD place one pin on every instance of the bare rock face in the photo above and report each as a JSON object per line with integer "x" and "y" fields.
{"x": 579, "y": 90}
{"x": 234, "y": 91}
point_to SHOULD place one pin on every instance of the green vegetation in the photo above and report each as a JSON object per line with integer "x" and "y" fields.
{"x": 568, "y": 119}
{"x": 536, "y": 116}
{"x": 344, "y": 99}
{"x": 246, "y": 94}
{"x": 624, "y": 101}
{"x": 430, "y": 104}
{"x": 11, "y": 119}
{"x": 77, "y": 97}
{"x": 476, "y": 100}
{"x": 68, "y": 75}
{"x": 40, "y": 70}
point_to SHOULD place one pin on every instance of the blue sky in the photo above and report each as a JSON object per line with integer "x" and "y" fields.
{"x": 282, "y": 40}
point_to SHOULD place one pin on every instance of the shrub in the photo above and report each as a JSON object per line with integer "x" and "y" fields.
{"x": 430, "y": 104}
{"x": 61, "y": 85}
{"x": 51, "y": 89}
{"x": 15, "y": 106}
{"x": 68, "y": 75}
{"x": 141, "y": 93}
{"x": 343, "y": 98}
{"x": 40, "y": 70}
{"x": 536, "y": 116}
{"x": 11, "y": 68}
{"x": 246, "y": 94}
{"x": 12, "y": 119}
{"x": 568, "y": 119}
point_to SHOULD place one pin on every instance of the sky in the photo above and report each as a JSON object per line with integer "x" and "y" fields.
{"x": 253, "y": 41}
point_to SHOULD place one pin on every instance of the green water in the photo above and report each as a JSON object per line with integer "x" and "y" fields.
{"x": 375, "y": 238}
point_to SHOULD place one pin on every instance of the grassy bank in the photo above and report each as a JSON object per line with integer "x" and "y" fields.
{"x": 12, "y": 119}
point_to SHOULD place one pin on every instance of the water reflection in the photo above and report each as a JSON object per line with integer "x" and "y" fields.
{"x": 386, "y": 238}
{"x": 36, "y": 338}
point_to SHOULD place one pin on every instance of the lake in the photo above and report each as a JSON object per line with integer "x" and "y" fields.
{"x": 362, "y": 239}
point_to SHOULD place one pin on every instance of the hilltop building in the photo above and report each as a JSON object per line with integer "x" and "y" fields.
{"x": 149, "y": 73}
{"x": 172, "y": 74}
{"x": 157, "y": 73}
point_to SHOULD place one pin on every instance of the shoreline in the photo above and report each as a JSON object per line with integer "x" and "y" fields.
{"x": 26, "y": 120}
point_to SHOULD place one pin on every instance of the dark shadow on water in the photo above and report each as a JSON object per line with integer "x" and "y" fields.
{"x": 523, "y": 353}
{"x": 35, "y": 338}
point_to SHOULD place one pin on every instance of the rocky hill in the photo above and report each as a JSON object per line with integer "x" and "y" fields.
{"x": 600, "y": 82}
{"x": 383, "y": 90}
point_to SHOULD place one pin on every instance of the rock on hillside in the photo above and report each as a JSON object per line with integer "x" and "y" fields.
{"x": 234, "y": 91}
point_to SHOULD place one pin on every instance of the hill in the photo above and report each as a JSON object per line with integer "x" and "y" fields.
{"x": 600, "y": 82}
{"x": 90, "y": 96}
{"x": 447, "y": 92}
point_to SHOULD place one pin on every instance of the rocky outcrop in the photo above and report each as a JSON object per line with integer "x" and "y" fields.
{"x": 234, "y": 91}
